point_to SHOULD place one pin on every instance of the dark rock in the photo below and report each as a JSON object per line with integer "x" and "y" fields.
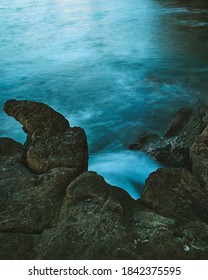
{"x": 66, "y": 149}
{"x": 51, "y": 142}
{"x": 160, "y": 238}
{"x": 144, "y": 139}
{"x": 92, "y": 217}
{"x": 134, "y": 147}
{"x": 172, "y": 156}
{"x": 10, "y": 149}
{"x": 174, "y": 151}
{"x": 178, "y": 122}
{"x": 36, "y": 117}
{"x": 175, "y": 192}
{"x": 28, "y": 202}
{"x": 17, "y": 246}
{"x": 61, "y": 214}
{"x": 147, "y": 137}
{"x": 199, "y": 157}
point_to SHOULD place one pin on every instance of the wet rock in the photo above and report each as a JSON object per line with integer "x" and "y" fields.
{"x": 172, "y": 156}
{"x": 178, "y": 122}
{"x": 175, "y": 192}
{"x": 173, "y": 149}
{"x": 144, "y": 139}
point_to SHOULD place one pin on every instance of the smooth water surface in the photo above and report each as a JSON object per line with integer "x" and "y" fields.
{"x": 112, "y": 67}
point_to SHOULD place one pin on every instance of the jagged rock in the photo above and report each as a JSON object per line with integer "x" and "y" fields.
{"x": 178, "y": 122}
{"x": 66, "y": 149}
{"x": 90, "y": 185}
{"x": 175, "y": 192}
{"x": 93, "y": 216}
{"x": 28, "y": 202}
{"x": 171, "y": 155}
{"x": 61, "y": 214}
{"x": 51, "y": 142}
{"x": 10, "y": 150}
{"x": 199, "y": 157}
{"x": 17, "y": 246}
{"x": 36, "y": 117}
{"x": 173, "y": 149}
{"x": 144, "y": 139}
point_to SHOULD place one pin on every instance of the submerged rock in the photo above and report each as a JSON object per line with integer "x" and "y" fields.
{"x": 50, "y": 208}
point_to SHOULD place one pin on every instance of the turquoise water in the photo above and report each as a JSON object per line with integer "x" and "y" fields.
{"x": 111, "y": 67}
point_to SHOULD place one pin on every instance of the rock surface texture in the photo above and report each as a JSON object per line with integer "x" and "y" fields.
{"x": 51, "y": 207}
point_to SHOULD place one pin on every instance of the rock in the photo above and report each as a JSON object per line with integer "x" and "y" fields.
{"x": 199, "y": 157}
{"x": 144, "y": 139}
{"x": 93, "y": 216}
{"x": 28, "y": 202}
{"x": 175, "y": 192}
{"x": 17, "y": 246}
{"x": 172, "y": 156}
{"x": 178, "y": 122}
{"x": 36, "y": 117}
{"x": 10, "y": 150}
{"x": 51, "y": 209}
{"x": 164, "y": 238}
{"x": 173, "y": 149}
{"x": 51, "y": 142}
{"x": 66, "y": 149}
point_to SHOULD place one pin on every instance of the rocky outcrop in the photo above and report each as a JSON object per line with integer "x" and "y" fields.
{"x": 199, "y": 157}
{"x": 51, "y": 142}
{"x": 175, "y": 192}
{"x": 37, "y": 118}
{"x": 173, "y": 148}
{"x": 178, "y": 122}
{"x": 51, "y": 207}
{"x": 29, "y": 202}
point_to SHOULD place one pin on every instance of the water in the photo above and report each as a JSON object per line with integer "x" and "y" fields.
{"x": 112, "y": 67}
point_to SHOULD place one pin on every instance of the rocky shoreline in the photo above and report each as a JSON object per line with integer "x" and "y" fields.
{"x": 51, "y": 207}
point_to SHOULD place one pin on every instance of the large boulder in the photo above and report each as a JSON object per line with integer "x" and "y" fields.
{"x": 50, "y": 142}
{"x": 93, "y": 222}
{"x": 36, "y": 117}
{"x": 29, "y": 202}
{"x": 175, "y": 192}
{"x": 66, "y": 149}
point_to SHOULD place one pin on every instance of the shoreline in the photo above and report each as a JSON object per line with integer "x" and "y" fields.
{"x": 53, "y": 208}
